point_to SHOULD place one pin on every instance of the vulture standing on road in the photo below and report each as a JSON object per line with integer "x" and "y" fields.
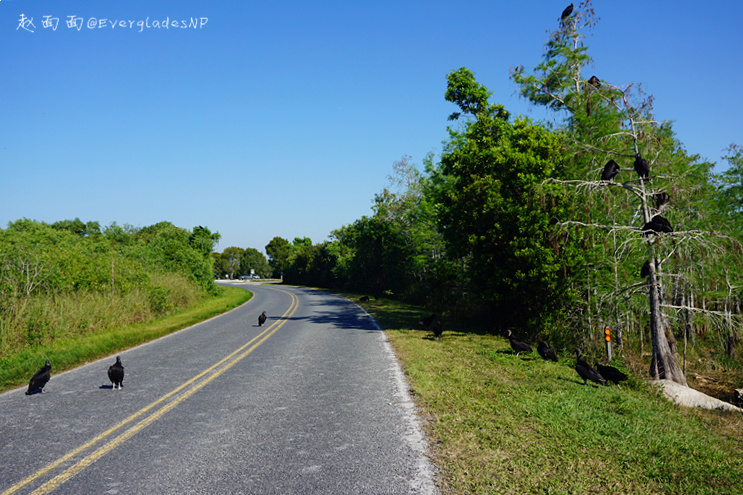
{"x": 546, "y": 351}
{"x": 262, "y": 319}
{"x": 611, "y": 169}
{"x": 116, "y": 374}
{"x": 585, "y": 371}
{"x": 517, "y": 345}
{"x": 611, "y": 374}
{"x": 38, "y": 381}
{"x": 641, "y": 167}
{"x": 566, "y": 13}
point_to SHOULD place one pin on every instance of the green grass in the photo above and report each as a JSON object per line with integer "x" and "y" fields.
{"x": 498, "y": 423}
{"x": 16, "y": 368}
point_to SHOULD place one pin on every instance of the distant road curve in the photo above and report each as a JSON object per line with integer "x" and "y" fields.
{"x": 311, "y": 402}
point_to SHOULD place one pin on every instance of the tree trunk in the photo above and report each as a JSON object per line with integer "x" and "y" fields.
{"x": 664, "y": 364}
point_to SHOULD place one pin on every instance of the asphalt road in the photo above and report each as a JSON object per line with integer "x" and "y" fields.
{"x": 311, "y": 402}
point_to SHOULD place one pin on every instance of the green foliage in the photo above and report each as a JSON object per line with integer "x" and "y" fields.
{"x": 729, "y": 189}
{"x": 118, "y": 275}
{"x": 278, "y": 250}
{"x": 493, "y": 209}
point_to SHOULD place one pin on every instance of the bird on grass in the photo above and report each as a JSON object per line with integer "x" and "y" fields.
{"x": 40, "y": 378}
{"x": 566, "y": 13}
{"x": 641, "y": 167}
{"x": 364, "y": 299}
{"x": 546, "y": 351}
{"x": 517, "y": 345}
{"x": 426, "y": 322}
{"x": 262, "y": 319}
{"x": 586, "y": 371}
{"x": 438, "y": 329}
{"x": 611, "y": 169}
{"x": 116, "y": 374}
{"x": 611, "y": 374}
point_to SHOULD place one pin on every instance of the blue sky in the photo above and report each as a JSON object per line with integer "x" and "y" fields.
{"x": 284, "y": 118}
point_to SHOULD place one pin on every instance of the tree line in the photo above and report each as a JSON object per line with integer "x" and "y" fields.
{"x": 552, "y": 227}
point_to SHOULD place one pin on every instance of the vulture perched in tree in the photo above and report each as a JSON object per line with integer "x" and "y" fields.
{"x": 657, "y": 224}
{"x": 661, "y": 199}
{"x": 594, "y": 81}
{"x": 437, "y": 329}
{"x": 585, "y": 371}
{"x": 546, "y": 351}
{"x": 426, "y": 322}
{"x": 566, "y": 13}
{"x": 517, "y": 345}
{"x": 40, "y": 378}
{"x": 116, "y": 374}
{"x": 611, "y": 169}
{"x": 641, "y": 167}
{"x": 611, "y": 374}
{"x": 262, "y": 319}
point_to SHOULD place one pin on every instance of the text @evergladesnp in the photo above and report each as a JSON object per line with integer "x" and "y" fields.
{"x": 74, "y": 22}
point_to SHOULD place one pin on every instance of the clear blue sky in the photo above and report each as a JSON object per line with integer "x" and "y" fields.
{"x": 284, "y": 118}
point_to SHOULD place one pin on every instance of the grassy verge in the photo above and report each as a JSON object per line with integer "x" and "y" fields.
{"x": 16, "y": 369}
{"x": 498, "y": 423}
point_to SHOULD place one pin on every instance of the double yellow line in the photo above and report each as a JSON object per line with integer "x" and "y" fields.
{"x": 191, "y": 387}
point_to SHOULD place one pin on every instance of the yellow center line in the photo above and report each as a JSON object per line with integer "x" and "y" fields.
{"x": 100, "y": 452}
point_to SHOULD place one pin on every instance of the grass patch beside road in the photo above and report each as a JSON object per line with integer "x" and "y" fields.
{"x": 17, "y": 368}
{"x": 498, "y": 423}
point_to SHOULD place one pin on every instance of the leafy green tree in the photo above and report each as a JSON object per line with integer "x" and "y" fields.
{"x": 279, "y": 251}
{"x": 729, "y": 184}
{"x": 231, "y": 258}
{"x": 252, "y": 259}
{"x": 606, "y": 122}
{"x": 493, "y": 210}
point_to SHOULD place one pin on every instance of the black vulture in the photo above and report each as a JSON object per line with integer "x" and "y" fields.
{"x": 116, "y": 374}
{"x": 611, "y": 374}
{"x": 546, "y": 351}
{"x": 611, "y": 169}
{"x": 645, "y": 270}
{"x": 594, "y": 81}
{"x": 364, "y": 299}
{"x": 566, "y": 13}
{"x": 661, "y": 199}
{"x": 517, "y": 345}
{"x": 437, "y": 329}
{"x": 657, "y": 224}
{"x": 40, "y": 378}
{"x": 426, "y": 322}
{"x": 641, "y": 167}
{"x": 585, "y": 371}
{"x": 262, "y": 319}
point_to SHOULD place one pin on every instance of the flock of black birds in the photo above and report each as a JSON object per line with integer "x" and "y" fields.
{"x": 115, "y": 371}
{"x": 657, "y": 224}
{"x": 37, "y": 382}
{"x": 604, "y": 374}
{"x": 612, "y": 169}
